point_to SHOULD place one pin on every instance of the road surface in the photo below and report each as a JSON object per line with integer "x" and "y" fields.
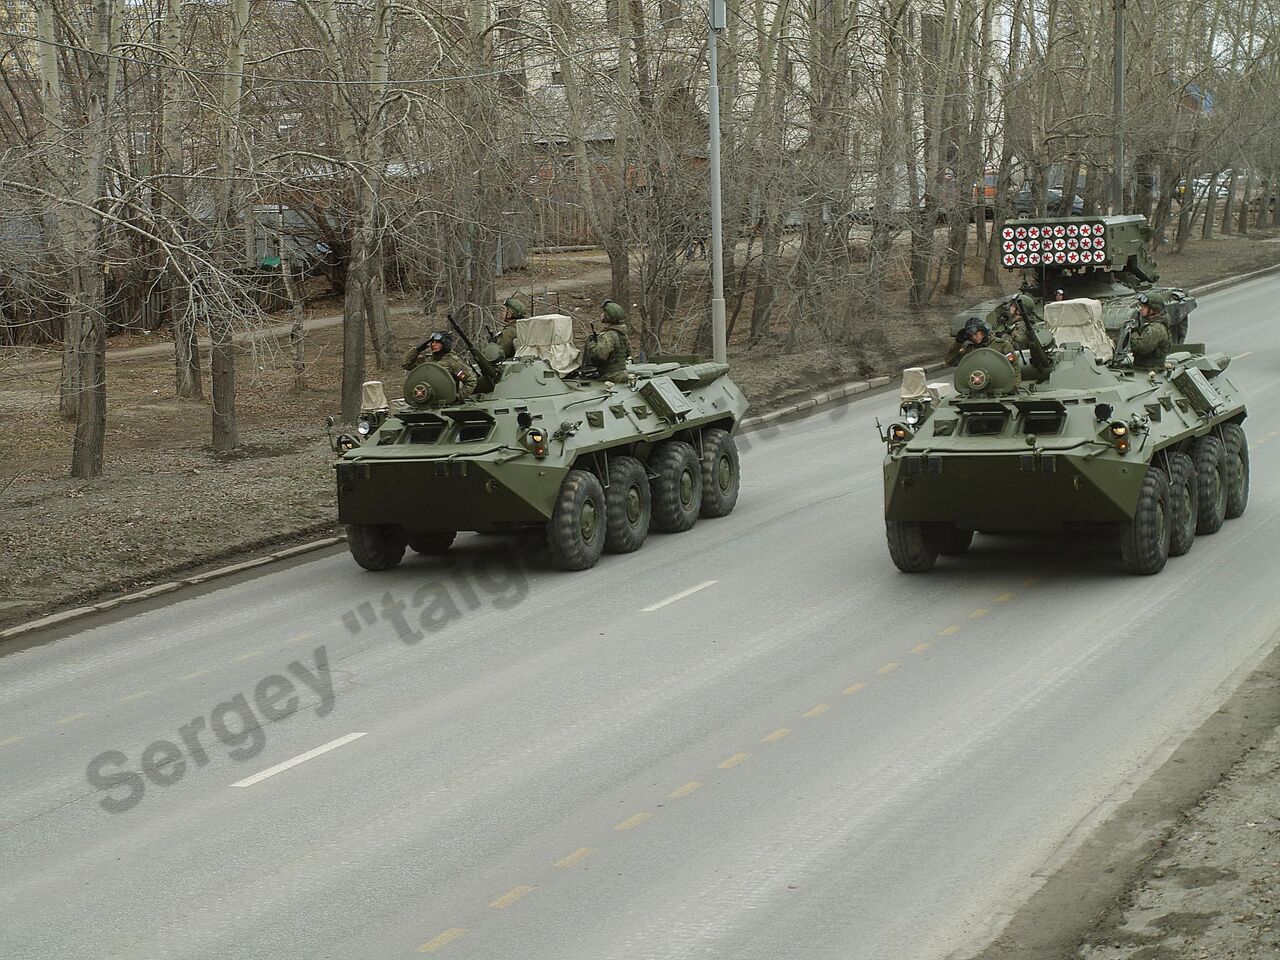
{"x": 756, "y": 739}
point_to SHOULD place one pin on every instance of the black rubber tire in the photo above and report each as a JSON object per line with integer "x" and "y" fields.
{"x": 628, "y": 505}
{"x": 1145, "y": 543}
{"x": 721, "y": 473}
{"x": 1237, "y": 445}
{"x": 575, "y": 532}
{"x": 677, "y": 486}
{"x": 431, "y": 543}
{"x": 1184, "y": 504}
{"x": 952, "y": 541}
{"x": 376, "y": 546}
{"x": 912, "y": 545}
{"x": 1210, "y": 456}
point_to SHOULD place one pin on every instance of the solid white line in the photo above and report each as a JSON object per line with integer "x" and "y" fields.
{"x": 300, "y": 758}
{"x": 680, "y": 596}
{"x": 1241, "y": 356}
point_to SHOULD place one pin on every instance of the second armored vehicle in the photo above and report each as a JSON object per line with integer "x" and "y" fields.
{"x": 1074, "y": 437}
{"x": 1098, "y": 258}
{"x": 542, "y": 445}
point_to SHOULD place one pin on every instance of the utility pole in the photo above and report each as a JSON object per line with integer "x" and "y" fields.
{"x": 1117, "y": 149}
{"x": 716, "y": 22}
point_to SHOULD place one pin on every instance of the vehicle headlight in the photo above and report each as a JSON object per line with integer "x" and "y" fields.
{"x": 911, "y": 412}
{"x": 899, "y": 433}
{"x": 364, "y": 428}
{"x": 345, "y": 442}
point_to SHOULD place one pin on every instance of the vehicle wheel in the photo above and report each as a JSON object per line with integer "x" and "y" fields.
{"x": 953, "y": 541}
{"x": 912, "y": 545}
{"x": 376, "y": 546}
{"x": 1145, "y": 544}
{"x": 575, "y": 532}
{"x": 677, "y": 488}
{"x": 1210, "y": 457}
{"x": 628, "y": 505}
{"x": 720, "y": 473}
{"x": 1184, "y": 504}
{"x": 1237, "y": 469}
{"x": 431, "y": 543}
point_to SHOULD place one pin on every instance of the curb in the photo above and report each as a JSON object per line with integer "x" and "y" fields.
{"x": 65, "y": 616}
{"x": 818, "y": 399}
{"x": 1216, "y": 285}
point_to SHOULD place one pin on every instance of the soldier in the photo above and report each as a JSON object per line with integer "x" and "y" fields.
{"x": 1150, "y": 340}
{"x": 512, "y": 310}
{"x": 976, "y": 334}
{"x": 1059, "y": 295}
{"x": 440, "y": 346}
{"x": 610, "y": 350}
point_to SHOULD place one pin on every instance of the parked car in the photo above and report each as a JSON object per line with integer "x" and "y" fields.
{"x": 1023, "y": 203}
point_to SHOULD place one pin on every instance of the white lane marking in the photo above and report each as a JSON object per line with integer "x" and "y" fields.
{"x": 680, "y": 596}
{"x": 300, "y": 758}
{"x": 1241, "y": 356}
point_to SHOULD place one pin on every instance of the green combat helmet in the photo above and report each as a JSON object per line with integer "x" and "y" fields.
{"x": 613, "y": 312}
{"x": 516, "y": 308}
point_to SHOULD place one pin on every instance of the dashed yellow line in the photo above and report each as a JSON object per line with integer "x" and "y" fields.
{"x": 246, "y": 656}
{"x": 446, "y": 938}
{"x": 300, "y": 638}
{"x": 1030, "y": 581}
{"x": 733, "y": 761}
{"x": 1005, "y": 597}
{"x": 775, "y": 736}
{"x": 8, "y": 740}
{"x": 817, "y": 711}
{"x": 634, "y": 820}
{"x": 920, "y": 648}
{"x": 193, "y": 674}
{"x": 511, "y": 896}
{"x": 889, "y": 667}
{"x": 74, "y": 717}
{"x": 980, "y": 612}
{"x": 576, "y": 857}
{"x": 136, "y": 696}
{"x": 854, "y": 688}
{"x": 684, "y": 791}
{"x": 948, "y": 631}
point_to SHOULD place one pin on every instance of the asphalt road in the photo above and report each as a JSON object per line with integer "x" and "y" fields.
{"x": 753, "y": 740}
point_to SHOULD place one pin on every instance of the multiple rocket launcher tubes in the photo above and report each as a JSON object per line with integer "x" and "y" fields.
{"x": 1054, "y": 245}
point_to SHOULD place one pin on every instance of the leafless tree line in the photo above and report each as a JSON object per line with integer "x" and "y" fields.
{"x": 196, "y": 161}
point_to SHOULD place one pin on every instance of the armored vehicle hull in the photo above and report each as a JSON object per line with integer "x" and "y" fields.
{"x": 1118, "y": 268}
{"x": 1068, "y": 440}
{"x": 594, "y": 464}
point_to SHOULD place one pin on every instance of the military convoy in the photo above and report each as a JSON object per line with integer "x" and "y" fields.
{"x": 542, "y": 445}
{"x": 1067, "y": 434}
{"x": 1096, "y": 258}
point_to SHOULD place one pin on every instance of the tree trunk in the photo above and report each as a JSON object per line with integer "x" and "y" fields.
{"x": 186, "y": 348}
{"x": 88, "y": 296}
{"x": 1242, "y": 224}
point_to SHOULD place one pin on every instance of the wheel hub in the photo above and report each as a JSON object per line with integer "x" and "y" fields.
{"x": 635, "y": 505}
{"x": 724, "y": 474}
{"x": 589, "y": 520}
{"x": 686, "y": 488}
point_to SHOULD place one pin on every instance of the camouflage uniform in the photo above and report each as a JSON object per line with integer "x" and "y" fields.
{"x": 963, "y": 345}
{"x": 1151, "y": 340}
{"x": 513, "y": 310}
{"x": 610, "y": 350}
{"x": 462, "y": 374}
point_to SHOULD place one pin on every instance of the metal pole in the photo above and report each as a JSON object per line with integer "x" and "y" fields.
{"x": 720, "y": 350}
{"x": 1117, "y": 184}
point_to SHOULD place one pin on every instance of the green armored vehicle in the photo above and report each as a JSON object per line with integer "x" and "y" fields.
{"x": 540, "y": 445}
{"x": 1072, "y": 437}
{"x": 1098, "y": 258}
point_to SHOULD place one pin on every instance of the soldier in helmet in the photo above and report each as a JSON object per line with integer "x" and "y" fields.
{"x": 1150, "y": 340}
{"x": 976, "y": 334}
{"x": 439, "y": 350}
{"x": 513, "y": 309}
{"x": 610, "y": 350}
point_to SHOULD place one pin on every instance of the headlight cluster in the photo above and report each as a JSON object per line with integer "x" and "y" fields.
{"x": 536, "y": 441}
{"x": 913, "y": 413}
{"x": 900, "y": 433}
{"x": 345, "y": 442}
{"x": 1118, "y": 431}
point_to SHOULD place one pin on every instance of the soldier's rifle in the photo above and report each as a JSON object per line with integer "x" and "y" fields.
{"x": 486, "y": 367}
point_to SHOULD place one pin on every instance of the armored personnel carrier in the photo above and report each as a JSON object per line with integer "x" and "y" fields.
{"x": 1067, "y": 435}
{"x": 543, "y": 445}
{"x": 1098, "y": 258}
